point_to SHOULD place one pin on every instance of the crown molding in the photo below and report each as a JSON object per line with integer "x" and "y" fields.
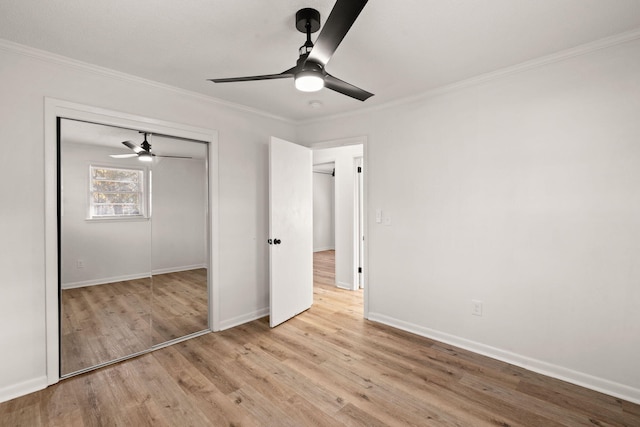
{"x": 50, "y": 57}
{"x": 473, "y": 81}
{"x": 493, "y": 75}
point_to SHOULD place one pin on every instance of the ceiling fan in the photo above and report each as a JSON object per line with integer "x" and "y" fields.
{"x": 143, "y": 152}
{"x": 309, "y": 72}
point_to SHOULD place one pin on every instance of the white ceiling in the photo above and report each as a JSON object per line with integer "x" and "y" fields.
{"x": 395, "y": 49}
{"x": 77, "y": 132}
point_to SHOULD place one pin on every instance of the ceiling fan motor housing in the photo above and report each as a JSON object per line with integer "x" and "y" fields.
{"x": 307, "y": 15}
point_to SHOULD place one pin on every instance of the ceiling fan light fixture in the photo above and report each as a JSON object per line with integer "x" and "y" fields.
{"x": 309, "y": 81}
{"x": 145, "y": 156}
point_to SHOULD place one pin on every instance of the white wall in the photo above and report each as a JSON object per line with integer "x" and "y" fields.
{"x": 521, "y": 191}
{"x": 323, "y": 212}
{"x": 345, "y": 233}
{"x": 27, "y": 78}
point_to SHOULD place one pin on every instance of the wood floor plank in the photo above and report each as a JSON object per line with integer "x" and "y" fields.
{"x": 353, "y": 416}
{"x": 326, "y": 367}
{"x": 548, "y": 411}
{"x": 215, "y": 405}
{"x": 211, "y": 368}
{"x": 261, "y": 408}
{"x": 305, "y": 387}
{"x": 171, "y": 404}
{"x": 606, "y": 414}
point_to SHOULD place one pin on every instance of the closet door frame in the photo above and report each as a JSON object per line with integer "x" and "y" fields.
{"x": 54, "y": 109}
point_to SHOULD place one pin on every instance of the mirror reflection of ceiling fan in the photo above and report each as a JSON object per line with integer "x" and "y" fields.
{"x": 143, "y": 151}
{"x": 309, "y": 72}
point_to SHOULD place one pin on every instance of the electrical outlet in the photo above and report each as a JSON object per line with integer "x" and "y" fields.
{"x": 79, "y": 264}
{"x": 477, "y": 307}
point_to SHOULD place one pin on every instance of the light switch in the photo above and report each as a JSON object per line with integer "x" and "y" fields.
{"x": 379, "y": 216}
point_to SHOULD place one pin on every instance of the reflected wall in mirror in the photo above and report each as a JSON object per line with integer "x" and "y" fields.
{"x": 133, "y": 246}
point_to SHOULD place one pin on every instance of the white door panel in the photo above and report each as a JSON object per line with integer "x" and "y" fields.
{"x": 290, "y": 230}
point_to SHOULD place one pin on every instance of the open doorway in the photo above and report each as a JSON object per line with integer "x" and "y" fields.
{"x": 339, "y": 215}
{"x": 324, "y": 207}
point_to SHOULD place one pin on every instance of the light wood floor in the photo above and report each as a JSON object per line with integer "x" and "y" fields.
{"x": 326, "y": 367}
{"x": 106, "y": 322}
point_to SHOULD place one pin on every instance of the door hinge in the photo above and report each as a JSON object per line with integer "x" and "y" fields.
{"x": 359, "y": 169}
{"x": 359, "y": 269}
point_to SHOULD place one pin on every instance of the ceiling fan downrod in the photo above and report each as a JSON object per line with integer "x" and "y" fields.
{"x": 307, "y": 21}
{"x": 145, "y": 145}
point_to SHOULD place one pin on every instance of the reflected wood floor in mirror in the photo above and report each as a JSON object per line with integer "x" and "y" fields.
{"x": 106, "y": 322}
{"x": 179, "y": 305}
{"x": 326, "y": 367}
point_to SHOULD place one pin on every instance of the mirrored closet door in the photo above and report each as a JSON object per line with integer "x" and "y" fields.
{"x": 179, "y": 297}
{"x": 133, "y": 247}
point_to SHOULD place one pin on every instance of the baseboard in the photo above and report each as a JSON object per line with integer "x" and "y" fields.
{"x": 104, "y": 280}
{"x": 346, "y": 286}
{"x": 114, "y": 279}
{"x": 178, "y": 269}
{"x": 23, "y": 388}
{"x": 601, "y": 385}
{"x": 245, "y": 318}
{"x": 325, "y": 248}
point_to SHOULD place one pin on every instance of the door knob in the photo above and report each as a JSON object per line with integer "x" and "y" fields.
{"x": 277, "y": 241}
{"x": 269, "y": 241}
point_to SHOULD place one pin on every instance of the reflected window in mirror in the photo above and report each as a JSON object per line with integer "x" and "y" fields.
{"x": 118, "y": 192}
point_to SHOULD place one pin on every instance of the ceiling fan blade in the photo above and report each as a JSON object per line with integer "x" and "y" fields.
{"x": 173, "y": 157}
{"x": 338, "y": 23}
{"x": 132, "y": 146}
{"x": 123, "y": 156}
{"x": 345, "y": 88}
{"x": 283, "y": 75}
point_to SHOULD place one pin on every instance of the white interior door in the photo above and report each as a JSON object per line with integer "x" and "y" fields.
{"x": 290, "y": 230}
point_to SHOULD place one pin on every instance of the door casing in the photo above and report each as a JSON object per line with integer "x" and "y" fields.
{"x": 55, "y": 108}
{"x": 364, "y": 255}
